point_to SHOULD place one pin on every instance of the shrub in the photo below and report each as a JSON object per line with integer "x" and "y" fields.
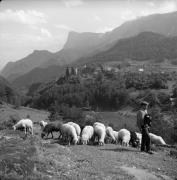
{"x": 160, "y": 126}
{"x": 13, "y": 119}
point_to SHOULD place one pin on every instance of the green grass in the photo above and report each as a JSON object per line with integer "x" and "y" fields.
{"x": 7, "y": 111}
{"x": 120, "y": 119}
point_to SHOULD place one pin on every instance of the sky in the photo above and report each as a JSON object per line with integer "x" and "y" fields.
{"x": 44, "y": 24}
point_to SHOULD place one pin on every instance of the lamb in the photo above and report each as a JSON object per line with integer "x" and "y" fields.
{"x": 42, "y": 124}
{"x": 110, "y": 133}
{"x": 124, "y": 137}
{"x": 26, "y": 124}
{"x": 69, "y": 132}
{"x": 100, "y": 131}
{"x": 50, "y": 128}
{"x": 77, "y": 128}
{"x": 156, "y": 139}
{"x": 87, "y": 134}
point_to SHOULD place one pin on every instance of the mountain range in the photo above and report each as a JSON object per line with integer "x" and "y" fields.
{"x": 85, "y": 47}
{"x": 146, "y": 46}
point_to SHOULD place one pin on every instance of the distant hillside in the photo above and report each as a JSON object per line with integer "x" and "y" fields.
{"x": 145, "y": 46}
{"x": 66, "y": 56}
{"x": 40, "y": 59}
{"x": 165, "y": 24}
{"x": 38, "y": 75}
{"x": 49, "y": 69}
{"x": 15, "y": 69}
{"x": 7, "y": 92}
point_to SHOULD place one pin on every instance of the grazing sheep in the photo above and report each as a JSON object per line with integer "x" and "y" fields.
{"x": 87, "y": 134}
{"x": 124, "y": 137}
{"x": 77, "y": 128}
{"x": 100, "y": 132}
{"x": 156, "y": 139}
{"x": 42, "y": 124}
{"x": 110, "y": 133}
{"x": 50, "y": 128}
{"x": 100, "y": 124}
{"x": 69, "y": 132}
{"x": 26, "y": 124}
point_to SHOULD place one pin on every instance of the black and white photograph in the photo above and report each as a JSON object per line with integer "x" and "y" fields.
{"x": 88, "y": 89}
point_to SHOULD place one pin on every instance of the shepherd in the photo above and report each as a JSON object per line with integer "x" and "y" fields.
{"x": 144, "y": 123}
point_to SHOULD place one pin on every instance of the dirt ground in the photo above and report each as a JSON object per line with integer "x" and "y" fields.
{"x": 33, "y": 158}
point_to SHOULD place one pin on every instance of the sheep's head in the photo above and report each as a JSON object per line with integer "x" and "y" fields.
{"x": 100, "y": 143}
{"x": 41, "y": 123}
{"x": 83, "y": 141}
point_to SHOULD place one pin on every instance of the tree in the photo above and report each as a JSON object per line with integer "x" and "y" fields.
{"x": 67, "y": 72}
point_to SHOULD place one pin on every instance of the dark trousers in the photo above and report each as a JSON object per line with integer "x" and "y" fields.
{"x": 146, "y": 142}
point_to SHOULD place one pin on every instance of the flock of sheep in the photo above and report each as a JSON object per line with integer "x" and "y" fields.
{"x": 98, "y": 133}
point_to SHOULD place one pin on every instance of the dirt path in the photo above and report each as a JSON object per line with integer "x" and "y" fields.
{"x": 141, "y": 174}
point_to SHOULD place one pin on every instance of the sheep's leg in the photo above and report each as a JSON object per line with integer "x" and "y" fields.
{"x": 69, "y": 141}
{"x": 47, "y": 134}
{"x": 60, "y": 135}
{"x": 32, "y": 130}
{"x": 52, "y": 135}
{"x": 25, "y": 130}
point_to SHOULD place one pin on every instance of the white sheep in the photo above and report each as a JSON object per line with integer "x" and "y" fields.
{"x": 100, "y": 124}
{"x": 42, "y": 124}
{"x": 26, "y": 124}
{"x": 124, "y": 137}
{"x": 100, "y": 131}
{"x": 69, "y": 132}
{"x": 87, "y": 134}
{"x": 77, "y": 128}
{"x": 156, "y": 139}
{"x": 110, "y": 133}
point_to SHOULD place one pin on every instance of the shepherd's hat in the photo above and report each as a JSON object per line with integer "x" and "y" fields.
{"x": 144, "y": 103}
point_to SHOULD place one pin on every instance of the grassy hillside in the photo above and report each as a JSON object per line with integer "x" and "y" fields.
{"x": 7, "y": 112}
{"x": 120, "y": 119}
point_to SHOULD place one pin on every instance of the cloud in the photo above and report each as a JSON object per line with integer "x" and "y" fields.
{"x": 46, "y": 33}
{"x": 63, "y": 27}
{"x": 105, "y": 29}
{"x": 72, "y": 3}
{"x": 97, "y": 18}
{"x": 168, "y": 6}
{"x": 128, "y": 15}
{"x": 30, "y": 17}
